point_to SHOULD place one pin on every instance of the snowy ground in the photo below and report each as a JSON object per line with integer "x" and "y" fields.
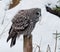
{"x": 43, "y": 32}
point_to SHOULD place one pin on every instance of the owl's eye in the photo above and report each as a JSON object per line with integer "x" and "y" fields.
{"x": 37, "y": 13}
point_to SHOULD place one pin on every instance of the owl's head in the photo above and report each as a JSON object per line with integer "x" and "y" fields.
{"x": 36, "y": 14}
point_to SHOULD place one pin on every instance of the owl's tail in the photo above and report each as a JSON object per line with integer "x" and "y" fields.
{"x": 12, "y": 36}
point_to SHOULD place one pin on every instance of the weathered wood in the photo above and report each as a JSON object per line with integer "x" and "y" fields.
{"x": 14, "y": 3}
{"x": 55, "y": 12}
{"x": 27, "y": 44}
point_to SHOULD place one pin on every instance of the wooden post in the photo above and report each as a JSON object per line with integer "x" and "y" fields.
{"x": 27, "y": 43}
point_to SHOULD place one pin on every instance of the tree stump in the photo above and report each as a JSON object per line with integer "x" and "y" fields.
{"x": 27, "y": 43}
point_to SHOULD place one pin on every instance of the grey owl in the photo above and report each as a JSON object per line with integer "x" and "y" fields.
{"x": 23, "y": 23}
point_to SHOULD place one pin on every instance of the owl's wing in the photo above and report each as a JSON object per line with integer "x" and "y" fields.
{"x": 20, "y": 22}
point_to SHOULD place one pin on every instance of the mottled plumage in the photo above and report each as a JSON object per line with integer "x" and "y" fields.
{"x": 23, "y": 23}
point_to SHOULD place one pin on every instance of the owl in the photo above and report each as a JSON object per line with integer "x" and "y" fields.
{"x": 23, "y": 23}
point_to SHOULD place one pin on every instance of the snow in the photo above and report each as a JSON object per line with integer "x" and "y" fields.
{"x": 43, "y": 32}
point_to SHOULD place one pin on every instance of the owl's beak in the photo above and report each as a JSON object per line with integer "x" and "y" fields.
{"x": 40, "y": 18}
{"x": 40, "y": 14}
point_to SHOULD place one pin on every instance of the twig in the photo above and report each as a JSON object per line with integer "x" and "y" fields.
{"x": 37, "y": 46}
{"x": 48, "y": 48}
{"x": 55, "y": 44}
